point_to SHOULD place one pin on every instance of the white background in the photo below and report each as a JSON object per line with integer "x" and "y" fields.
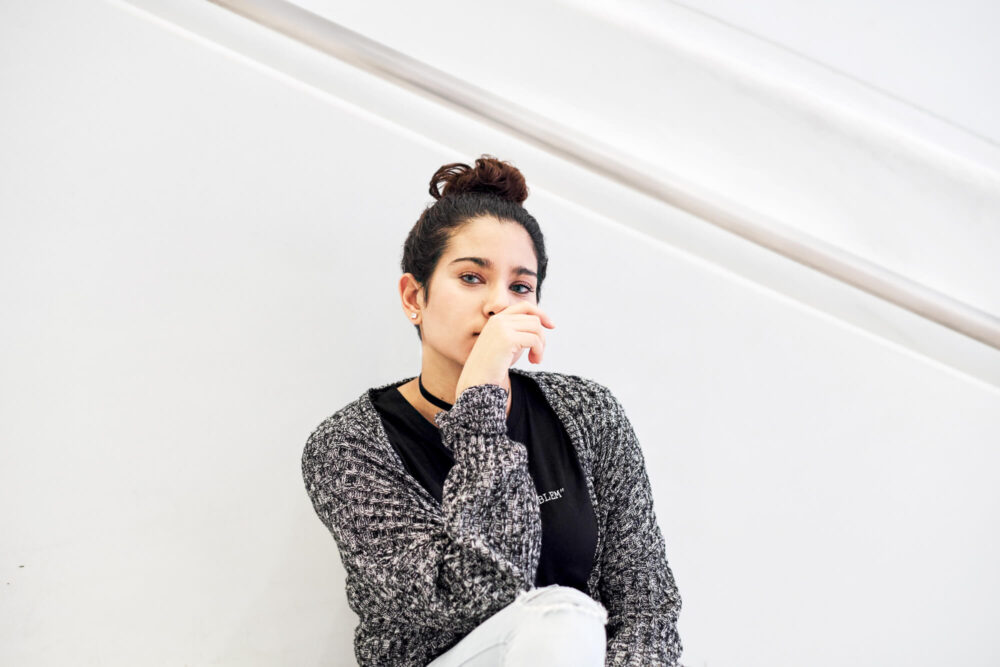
{"x": 199, "y": 246}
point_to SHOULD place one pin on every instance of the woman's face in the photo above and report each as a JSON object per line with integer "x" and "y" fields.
{"x": 487, "y": 266}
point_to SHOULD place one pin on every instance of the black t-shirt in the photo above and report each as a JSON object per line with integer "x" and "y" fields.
{"x": 569, "y": 525}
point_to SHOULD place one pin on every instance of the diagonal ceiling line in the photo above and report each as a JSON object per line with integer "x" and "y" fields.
{"x": 587, "y": 152}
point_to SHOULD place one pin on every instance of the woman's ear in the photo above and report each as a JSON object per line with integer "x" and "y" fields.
{"x": 411, "y": 297}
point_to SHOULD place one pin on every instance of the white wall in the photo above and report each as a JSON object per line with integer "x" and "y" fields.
{"x": 938, "y": 56}
{"x": 690, "y": 98}
{"x": 197, "y": 265}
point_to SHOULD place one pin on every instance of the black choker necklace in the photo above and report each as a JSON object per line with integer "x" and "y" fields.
{"x": 430, "y": 397}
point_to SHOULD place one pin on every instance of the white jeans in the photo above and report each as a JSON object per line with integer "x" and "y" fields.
{"x": 554, "y": 626}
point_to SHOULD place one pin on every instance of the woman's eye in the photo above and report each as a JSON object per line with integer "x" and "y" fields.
{"x": 528, "y": 289}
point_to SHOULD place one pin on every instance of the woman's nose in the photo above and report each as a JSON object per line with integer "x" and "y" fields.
{"x": 496, "y": 302}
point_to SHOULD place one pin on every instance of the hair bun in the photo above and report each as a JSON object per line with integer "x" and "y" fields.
{"x": 490, "y": 175}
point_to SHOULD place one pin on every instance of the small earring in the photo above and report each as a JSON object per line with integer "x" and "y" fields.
{"x": 413, "y": 316}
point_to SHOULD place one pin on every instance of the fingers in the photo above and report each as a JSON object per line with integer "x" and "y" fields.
{"x": 527, "y": 319}
{"x": 526, "y": 323}
{"x": 532, "y": 309}
{"x": 535, "y": 342}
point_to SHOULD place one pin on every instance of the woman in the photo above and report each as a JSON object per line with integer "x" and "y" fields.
{"x": 485, "y": 514}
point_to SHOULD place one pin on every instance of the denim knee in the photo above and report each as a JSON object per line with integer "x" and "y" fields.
{"x": 557, "y": 625}
{"x": 557, "y": 596}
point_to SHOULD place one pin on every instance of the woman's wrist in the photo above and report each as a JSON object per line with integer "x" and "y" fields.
{"x": 502, "y": 383}
{"x": 481, "y": 408}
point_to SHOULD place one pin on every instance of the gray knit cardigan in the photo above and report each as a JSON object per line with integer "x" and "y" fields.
{"x": 421, "y": 574}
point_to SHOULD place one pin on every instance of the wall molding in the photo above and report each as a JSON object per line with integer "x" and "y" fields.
{"x": 712, "y": 207}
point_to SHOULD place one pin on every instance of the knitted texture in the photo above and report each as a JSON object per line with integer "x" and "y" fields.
{"x": 421, "y": 575}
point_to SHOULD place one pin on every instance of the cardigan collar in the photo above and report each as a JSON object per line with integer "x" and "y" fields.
{"x": 553, "y": 387}
{"x": 545, "y": 381}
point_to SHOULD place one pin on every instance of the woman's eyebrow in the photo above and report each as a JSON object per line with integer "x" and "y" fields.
{"x": 488, "y": 264}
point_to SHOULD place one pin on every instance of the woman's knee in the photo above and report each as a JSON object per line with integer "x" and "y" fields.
{"x": 558, "y": 625}
{"x": 556, "y": 596}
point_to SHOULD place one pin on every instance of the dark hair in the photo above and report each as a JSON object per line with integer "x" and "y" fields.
{"x": 493, "y": 188}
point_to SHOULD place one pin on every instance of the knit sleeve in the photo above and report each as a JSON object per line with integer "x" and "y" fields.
{"x": 447, "y": 570}
{"x": 636, "y": 584}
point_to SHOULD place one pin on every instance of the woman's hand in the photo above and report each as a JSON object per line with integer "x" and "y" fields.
{"x": 501, "y": 343}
